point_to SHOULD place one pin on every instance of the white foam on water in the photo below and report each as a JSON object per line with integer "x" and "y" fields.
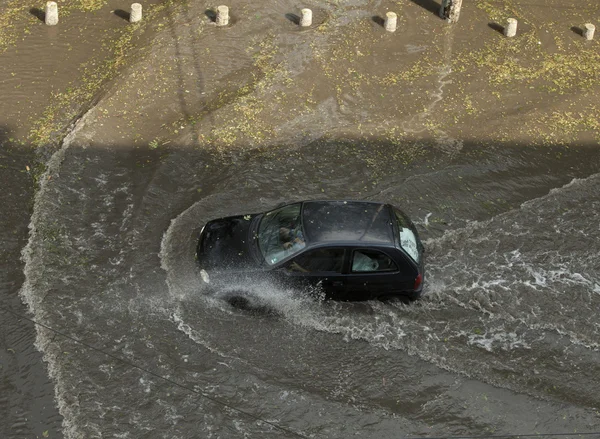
{"x": 506, "y": 341}
{"x": 425, "y": 221}
{"x": 146, "y": 384}
{"x": 198, "y": 336}
{"x": 32, "y": 292}
{"x": 45, "y": 255}
{"x": 485, "y": 273}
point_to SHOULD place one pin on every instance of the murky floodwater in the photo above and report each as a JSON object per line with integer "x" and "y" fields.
{"x": 505, "y": 340}
{"x": 26, "y": 393}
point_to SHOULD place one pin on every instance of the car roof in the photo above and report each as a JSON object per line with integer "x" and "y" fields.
{"x": 337, "y": 221}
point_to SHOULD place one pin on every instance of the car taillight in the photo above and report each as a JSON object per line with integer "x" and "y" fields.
{"x": 418, "y": 281}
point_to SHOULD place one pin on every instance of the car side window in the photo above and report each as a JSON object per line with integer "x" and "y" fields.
{"x": 364, "y": 261}
{"x": 318, "y": 260}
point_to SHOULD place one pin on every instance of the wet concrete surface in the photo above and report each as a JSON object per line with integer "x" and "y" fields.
{"x": 497, "y": 165}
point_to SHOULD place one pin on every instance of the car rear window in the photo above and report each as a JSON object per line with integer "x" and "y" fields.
{"x": 408, "y": 236}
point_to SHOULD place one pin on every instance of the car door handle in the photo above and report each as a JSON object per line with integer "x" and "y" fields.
{"x": 337, "y": 283}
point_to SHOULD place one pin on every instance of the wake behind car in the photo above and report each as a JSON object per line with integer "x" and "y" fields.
{"x": 350, "y": 250}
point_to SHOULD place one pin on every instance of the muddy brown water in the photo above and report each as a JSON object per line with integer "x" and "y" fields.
{"x": 47, "y": 60}
{"x": 505, "y": 339}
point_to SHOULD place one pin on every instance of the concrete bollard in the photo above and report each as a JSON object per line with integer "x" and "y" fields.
{"x": 136, "y": 13}
{"x": 588, "y": 31}
{"x": 450, "y": 10}
{"x": 306, "y": 19}
{"x": 222, "y": 16}
{"x": 391, "y": 20}
{"x": 511, "y": 28}
{"x": 51, "y": 18}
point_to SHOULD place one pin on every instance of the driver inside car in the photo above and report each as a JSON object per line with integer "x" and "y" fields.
{"x": 290, "y": 238}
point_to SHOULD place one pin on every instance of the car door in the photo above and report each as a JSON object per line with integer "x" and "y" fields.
{"x": 375, "y": 273}
{"x": 317, "y": 268}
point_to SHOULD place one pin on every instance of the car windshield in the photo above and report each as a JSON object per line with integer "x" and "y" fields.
{"x": 408, "y": 238}
{"x": 280, "y": 233}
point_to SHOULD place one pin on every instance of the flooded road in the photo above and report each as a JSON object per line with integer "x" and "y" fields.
{"x": 25, "y": 387}
{"x": 185, "y": 122}
{"x": 505, "y": 339}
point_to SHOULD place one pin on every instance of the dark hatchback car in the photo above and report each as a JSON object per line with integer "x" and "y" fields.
{"x": 349, "y": 250}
